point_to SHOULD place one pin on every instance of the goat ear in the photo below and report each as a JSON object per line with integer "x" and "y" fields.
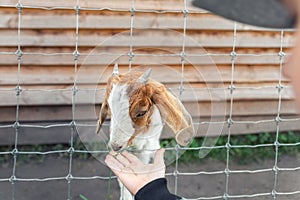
{"x": 102, "y": 116}
{"x": 173, "y": 113}
{"x": 104, "y": 111}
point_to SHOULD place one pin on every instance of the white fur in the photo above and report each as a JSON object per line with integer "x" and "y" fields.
{"x": 149, "y": 141}
{"x": 121, "y": 126}
{"x": 121, "y": 130}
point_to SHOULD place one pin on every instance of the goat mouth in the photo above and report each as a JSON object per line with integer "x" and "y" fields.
{"x": 117, "y": 148}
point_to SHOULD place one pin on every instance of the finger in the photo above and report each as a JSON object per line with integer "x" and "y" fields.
{"x": 159, "y": 157}
{"x": 130, "y": 157}
{"x": 123, "y": 160}
{"x": 113, "y": 164}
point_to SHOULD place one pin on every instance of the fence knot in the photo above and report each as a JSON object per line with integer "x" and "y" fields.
{"x": 16, "y": 125}
{"x": 71, "y": 150}
{"x": 13, "y": 179}
{"x": 276, "y": 144}
{"x": 175, "y": 173}
{"x": 69, "y": 177}
{"x": 131, "y": 55}
{"x": 233, "y": 55}
{"x": 181, "y": 90}
{"x": 77, "y": 9}
{"x": 76, "y": 55}
{"x": 132, "y": 11}
{"x": 225, "y": 196}
{"x": 185, "y": 12}
{"x": 18, "y": 90}
{"x": 19, "y": 54}
{"x": 275, "y": 169}
{"x": 74, "y": 90}
{"x": 177, "y": 148}
{"x": 229, "y": 122}
{"x": 231, "y": 88}
{"x": 73, "y": 124}
{"x": 227, "y": 171}
{"x": 281, "y": 54}
{"x": 228, "y": 145}
{"x": 14, "y": 152}
{"x": 273, "y": 193}
{"x": 278, "y": 120}
{"x": 19, "y": 6}
{"x": 182, "y": 56}
{"x": 279, "y": 87}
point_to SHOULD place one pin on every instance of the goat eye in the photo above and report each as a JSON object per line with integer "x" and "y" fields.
{"x": 140, "y": 114}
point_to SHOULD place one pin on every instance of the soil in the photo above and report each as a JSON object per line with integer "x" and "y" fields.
{"x": 188, "y": 186}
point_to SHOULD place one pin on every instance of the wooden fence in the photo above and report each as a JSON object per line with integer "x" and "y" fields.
{"x": 47, "y": 64}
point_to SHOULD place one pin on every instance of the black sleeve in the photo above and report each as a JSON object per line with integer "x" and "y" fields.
{"x": 157, "y": 190}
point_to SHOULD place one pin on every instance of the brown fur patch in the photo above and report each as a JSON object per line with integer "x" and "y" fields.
{"x": 141, "y": 98}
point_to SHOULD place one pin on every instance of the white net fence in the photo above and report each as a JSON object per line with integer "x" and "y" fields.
{"x": 230, "y": 122}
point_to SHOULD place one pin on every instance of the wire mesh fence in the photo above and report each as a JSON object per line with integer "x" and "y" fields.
{"x": 229, "y": 122}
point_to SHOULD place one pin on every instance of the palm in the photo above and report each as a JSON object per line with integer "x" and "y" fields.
{"x": 133, "y": 173}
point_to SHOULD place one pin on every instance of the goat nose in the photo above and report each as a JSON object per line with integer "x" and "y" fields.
{"x": 116, "y": 147}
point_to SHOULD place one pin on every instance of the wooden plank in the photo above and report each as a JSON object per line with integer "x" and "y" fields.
{"x": 58, "y": 75}
{"x": 144, "y": 38}
{"x": 47, "y": 113}
{"x": 123, "y": 59}
{"x": 170, "y": 55}
{"x": 116, "y": 4}
{"x": 142, "y": 56}
{"x": 190, "y": 51}
{"x": 116, "y": 20}
{"x": 196, "y": 86}
{"x": 95, "y": 95}
{"x": 197, "y": 19}
{"x": 248, "y": 128}
{"x": 196, "y": 109}
{"x": 63, "y": 21}
{"x": 241, "y": 108}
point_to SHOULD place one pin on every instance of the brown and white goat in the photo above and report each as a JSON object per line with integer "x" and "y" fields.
{"x": 139, "y": 106}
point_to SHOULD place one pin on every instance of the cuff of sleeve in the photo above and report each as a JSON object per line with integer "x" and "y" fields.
{"x": 157, "y": 190}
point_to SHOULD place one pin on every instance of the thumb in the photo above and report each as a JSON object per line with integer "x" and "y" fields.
{"x": 159, "y": 157}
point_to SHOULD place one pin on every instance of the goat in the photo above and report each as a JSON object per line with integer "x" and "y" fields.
{"x": 139, "y": 106}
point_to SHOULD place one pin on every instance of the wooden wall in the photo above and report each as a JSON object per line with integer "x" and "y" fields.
{"x": 48, "y": 35}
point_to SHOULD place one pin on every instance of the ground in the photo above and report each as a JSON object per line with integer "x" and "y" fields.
{"x": 188, "y": 186}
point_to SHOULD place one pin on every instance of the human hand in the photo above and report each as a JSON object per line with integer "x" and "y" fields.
{"x": 132, "y": 172}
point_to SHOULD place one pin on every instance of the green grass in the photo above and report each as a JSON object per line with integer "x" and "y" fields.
{"x": 83, "y": 197}
{"x": 241, "y": 155}
{"x": 245, "y": 155}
